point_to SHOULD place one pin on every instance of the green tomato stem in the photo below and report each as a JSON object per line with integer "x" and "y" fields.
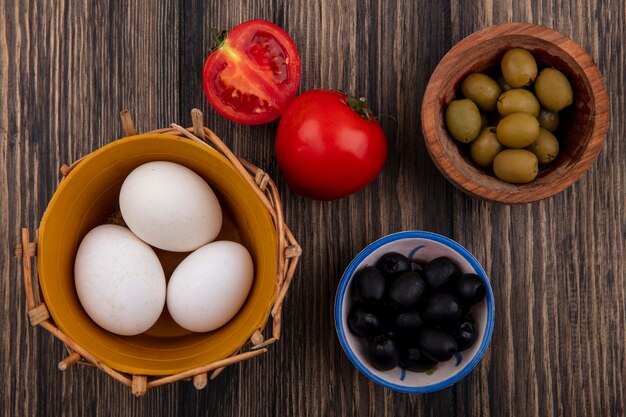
{"x": 217, "y": 38}
{"x": 360, "y": 107}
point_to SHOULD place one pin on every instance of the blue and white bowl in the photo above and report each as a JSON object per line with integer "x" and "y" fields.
{"x": 422, "y": 247}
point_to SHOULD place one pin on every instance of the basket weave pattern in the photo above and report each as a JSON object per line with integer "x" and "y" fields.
{"x": 289, "y": 255}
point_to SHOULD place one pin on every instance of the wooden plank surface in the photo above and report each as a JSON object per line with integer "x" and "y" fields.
{"x": 557, "y": 267}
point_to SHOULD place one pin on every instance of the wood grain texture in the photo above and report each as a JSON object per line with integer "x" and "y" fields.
{"x": 556, "y": 266}
{"x": 68, "y": 67}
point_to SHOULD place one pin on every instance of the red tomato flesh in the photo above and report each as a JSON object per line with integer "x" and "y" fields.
{"x": 254, "y": 74}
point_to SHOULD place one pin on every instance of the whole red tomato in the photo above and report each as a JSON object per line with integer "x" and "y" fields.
{"x": 329, "y": 145}
{"x": 253, "y": 73}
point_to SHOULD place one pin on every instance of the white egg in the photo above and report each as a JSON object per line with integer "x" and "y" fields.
{"x": 119, "y": 280}
{"x": 209, "y": 286}
{"x": 170, "y": 207}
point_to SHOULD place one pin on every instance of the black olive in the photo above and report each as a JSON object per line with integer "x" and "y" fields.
{"x": 464, "y": 334}
{"x": 363, "y": 323}
{"x": 393, "y": 264}
{"x": 465, "y": 308}
{"x": 437, "y": 345}
{"x": 386, "y": 308}
{"x": 470, "y": 288}
{"x": 408, "y": 339}
{"x": 440, "y": 271}
{"x": 408, "y": 323}
{"x": 382, "y": 353}
{"x": 369, "y": 285}
{"x": 407, "y": 289}
{"x": 442, "y": 309}
{"x": 412, "y": 359}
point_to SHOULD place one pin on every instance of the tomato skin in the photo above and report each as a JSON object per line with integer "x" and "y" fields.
{"x": 325, "y": 150}
{"x": 254, "y": 74}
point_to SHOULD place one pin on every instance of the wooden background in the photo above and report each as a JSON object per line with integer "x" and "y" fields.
{"x": 557, "y": 267}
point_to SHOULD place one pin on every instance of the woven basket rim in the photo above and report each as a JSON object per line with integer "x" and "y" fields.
{"x": 289, "y": 253}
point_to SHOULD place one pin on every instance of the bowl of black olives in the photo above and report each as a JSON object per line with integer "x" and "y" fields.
{"x": 515, "y": 113}
{"x": 414, "y": 312}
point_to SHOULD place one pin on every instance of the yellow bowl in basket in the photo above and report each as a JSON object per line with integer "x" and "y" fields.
{"x": 89, "y": 195}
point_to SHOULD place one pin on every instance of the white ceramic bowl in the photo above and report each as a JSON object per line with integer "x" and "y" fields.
{"x": 423, "y": 247}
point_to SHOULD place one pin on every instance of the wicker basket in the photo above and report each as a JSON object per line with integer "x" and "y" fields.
{"x": 288, "y": 247}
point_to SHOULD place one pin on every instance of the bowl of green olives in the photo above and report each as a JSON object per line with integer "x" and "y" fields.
{"x": 515, "y": 113}
{"x": 414, "y": 312}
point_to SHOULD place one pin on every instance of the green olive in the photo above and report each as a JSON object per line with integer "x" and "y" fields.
{"x": 482, "y": 90}
{"x": 463, "y": 120}
{"x": 545, "y": 148}
{"x": 517, "y": 130}
{"x": 553, "y": 90}
{"x": 517, "y": 166}
{"x": 519, "y": 68}
{"x": 549, "y": 120}
{"x": 485, "y": 147}
{"x": 503, "y": 84}
{"x": 484, "y": 121}
{"x": 518, "y": 100}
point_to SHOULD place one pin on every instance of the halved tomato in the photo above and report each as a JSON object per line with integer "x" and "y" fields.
{"x": 253, "y": 73}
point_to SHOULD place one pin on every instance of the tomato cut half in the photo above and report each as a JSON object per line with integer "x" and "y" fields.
{"x": 254, "y": 74}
